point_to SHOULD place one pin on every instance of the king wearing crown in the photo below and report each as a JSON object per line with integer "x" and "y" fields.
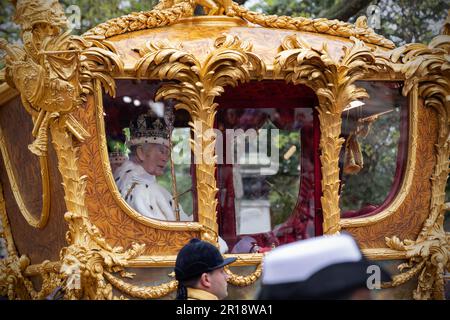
{"x": 136, "y": 177}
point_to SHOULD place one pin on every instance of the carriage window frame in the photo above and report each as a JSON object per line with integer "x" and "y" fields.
{"x": 316, "y": 220}
{"x": 401, "y": 159}
{"x": 170, "y": 225}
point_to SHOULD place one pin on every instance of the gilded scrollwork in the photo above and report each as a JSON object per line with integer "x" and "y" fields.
{"x": 142, "y": 292}
{"x": 162, "y": 15}
{"x": 243, "y": 281}
{"x": 54, "y": 70}
{"x": 333, "y": 82}
{"x": 12, "y": 282}
{"x": 168, "y": 12}
{"x": 428, "y": 67}
{"x": 198, "y": 83}
{"x": 88, "y": 250}
{"x": 53, "y": 73}
{"x": 321, "y": 25}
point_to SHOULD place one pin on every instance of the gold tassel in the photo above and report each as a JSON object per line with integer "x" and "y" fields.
{"x": 353, "y": 160}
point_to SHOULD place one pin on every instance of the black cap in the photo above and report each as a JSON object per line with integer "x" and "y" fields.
{"x": 198, "y": 257}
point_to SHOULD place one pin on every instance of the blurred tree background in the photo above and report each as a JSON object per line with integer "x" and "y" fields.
{"x": 402, "y": 21}
{"x": 379, "y": 149}
{"x": 284, "y": 186}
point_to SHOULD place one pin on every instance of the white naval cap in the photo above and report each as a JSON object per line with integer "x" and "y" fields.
{"x": 299, "y": 260}
{"x": 326, "y": 267}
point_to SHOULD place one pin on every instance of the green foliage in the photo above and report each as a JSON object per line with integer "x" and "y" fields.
{"x": 95, "y": 12}
{"x": 373, "y": 183}
{"x": 406, "y": 21}
{"x": 182, "y": 170}
{"x": 284, "y": 186}
{"x": 402, "y": 21}
{"x": 92, "y": 13}
{"x": 117, "y": 146}
{"x": 292, "y": 8}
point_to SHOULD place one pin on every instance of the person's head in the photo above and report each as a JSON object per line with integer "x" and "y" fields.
{"x": 327, "y": 267}
{"x": 152, "y": 157}
{"x": 200, "y": 265}
{"x": 149, "y": 142}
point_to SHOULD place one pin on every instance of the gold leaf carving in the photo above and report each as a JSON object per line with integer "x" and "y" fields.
{"x": 198, "y": 83}
{"x": 158, "y": 17}
{"x": 333, "y": 83}
{"x": 145, "y": 292}
{"x": 168, "y": 12}
{"x": 243, "y": 281}
{"x": 428, "y": 67}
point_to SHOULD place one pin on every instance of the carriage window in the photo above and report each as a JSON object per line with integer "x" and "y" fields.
{"x": 265, "y": 170}
{"x": 148, "y": 145}
{"x": 375, "y": 132}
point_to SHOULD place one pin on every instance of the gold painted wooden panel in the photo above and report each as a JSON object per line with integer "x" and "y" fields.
{"x": 118, "y": 228}
{"x": 199, "y": 40}
{"x": 37, "y": 244}
{"x": 407, "y": 222}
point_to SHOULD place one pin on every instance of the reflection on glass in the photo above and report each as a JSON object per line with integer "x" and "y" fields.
{"x": 265, "y": 177}
{"x": 140, "y": 134}
{"x": 375, "y": 146}
{"x": 181, "y": 156}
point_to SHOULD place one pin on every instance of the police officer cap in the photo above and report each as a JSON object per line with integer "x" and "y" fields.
{"x": 198, "y": 257}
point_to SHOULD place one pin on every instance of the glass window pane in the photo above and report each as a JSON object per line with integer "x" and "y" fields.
{"x": 375, "y": 147}
{"x": 140, "y": 151}
{"x": 266, "y": 172}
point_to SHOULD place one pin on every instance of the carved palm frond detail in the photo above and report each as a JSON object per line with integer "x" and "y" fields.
{"x": 87, "y": 249}
{"x": 196, "y": 85}
{"x": 428, "y": 68}
{"x": 53, "y": 73}
{"x": 98, "y": 61}
{"x": 333, "y": 81}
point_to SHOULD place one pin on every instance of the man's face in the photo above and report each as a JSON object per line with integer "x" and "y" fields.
{"x": 153, "y": 158}
{"x": 219, "y": 285}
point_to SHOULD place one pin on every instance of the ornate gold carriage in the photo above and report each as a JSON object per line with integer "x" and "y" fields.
{"x": 62, "y": 212}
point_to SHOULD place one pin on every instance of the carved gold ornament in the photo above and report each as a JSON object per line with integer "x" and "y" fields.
{"x": 243, "y": 281}
{"x": 168, "y": 12}
{"x": 13, "y": 281}
{"x": 428, "y": 66}
{"x": 43, "y": 161}
{"x": 198, "y": 83}
{"x": 333, "y": 82}
{"x": 56, "y": 72}
{"x": 142, "y": 292}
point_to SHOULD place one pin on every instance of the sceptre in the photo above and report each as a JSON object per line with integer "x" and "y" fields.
{"x": 170, "y": 119}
